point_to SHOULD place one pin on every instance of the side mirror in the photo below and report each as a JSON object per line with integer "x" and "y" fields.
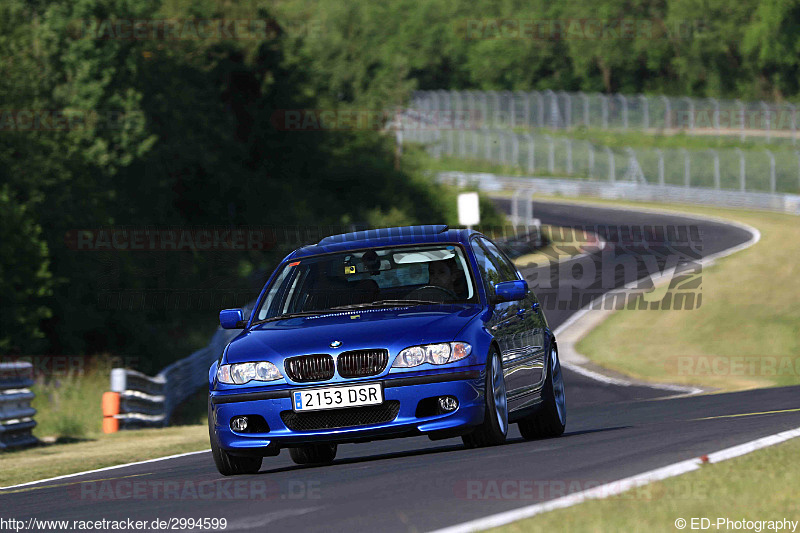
{"x": 509, "y": 291}
{"x": 231, "y": 319}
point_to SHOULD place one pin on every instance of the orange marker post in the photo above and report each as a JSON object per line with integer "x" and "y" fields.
{"x": 110, "y": 408}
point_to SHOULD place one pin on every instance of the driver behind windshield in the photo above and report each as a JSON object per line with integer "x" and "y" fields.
{"x": 447, "y": 275}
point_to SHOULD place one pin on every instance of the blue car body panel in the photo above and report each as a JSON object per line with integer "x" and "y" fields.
{"x": 482, "y": 325}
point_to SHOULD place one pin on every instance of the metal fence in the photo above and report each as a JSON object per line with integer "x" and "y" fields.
{"x": 768, "y": 121}
{"x": 16, "y": 413}
{"x": 772, "y": 171}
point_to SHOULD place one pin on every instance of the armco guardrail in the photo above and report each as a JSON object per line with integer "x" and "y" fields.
{"x": 137, "y": 400}
{"x": 786, "y": 203}
{"x": 16, "y": 413}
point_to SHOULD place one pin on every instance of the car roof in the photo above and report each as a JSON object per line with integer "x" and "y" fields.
{"x": 384, "y": 237}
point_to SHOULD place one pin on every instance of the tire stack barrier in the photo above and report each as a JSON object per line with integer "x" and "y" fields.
{"x": 16, "y": 413}
{"x": 135, "y": 400}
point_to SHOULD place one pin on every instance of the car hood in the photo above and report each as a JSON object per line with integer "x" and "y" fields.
{"x": 393, "y": 329}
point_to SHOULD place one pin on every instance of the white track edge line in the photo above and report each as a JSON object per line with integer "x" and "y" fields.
{"x": 755, "y": 237}
{"x": 617, "y": 487}
{"x": 597, "y": 376}
{"x": 66, "y": 476}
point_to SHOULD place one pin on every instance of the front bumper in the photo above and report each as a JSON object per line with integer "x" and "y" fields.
{"x": 466, "y": 384}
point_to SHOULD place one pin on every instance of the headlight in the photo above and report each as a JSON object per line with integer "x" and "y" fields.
{"x": 241, "y": 373}
{"x": 224, "y": 374}
{"x": 436, "y": 354}
{"x": 410, "y": 357}
{"x": 267, "y": 372}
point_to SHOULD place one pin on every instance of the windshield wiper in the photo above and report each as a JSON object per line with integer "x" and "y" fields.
{"x": 294, "y": 315}
{"x": 388, "y": 303}
{"x": 378, "y": 303}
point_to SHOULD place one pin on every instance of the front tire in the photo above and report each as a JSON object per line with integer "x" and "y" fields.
{"x": 227, "y": 464}
{"x": 494, "y": 428}
{"x": 551, "y": 419}
{"x": 314, "y": 454}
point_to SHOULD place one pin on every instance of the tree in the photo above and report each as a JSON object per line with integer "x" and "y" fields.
{"x": 772, "y": 44}
{"x": 25, "y": 278}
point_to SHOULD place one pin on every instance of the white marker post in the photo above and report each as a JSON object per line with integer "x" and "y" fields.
{"x": 469, "y": 212}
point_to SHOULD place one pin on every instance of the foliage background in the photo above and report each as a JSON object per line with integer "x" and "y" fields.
{"x": 197, "y": 146}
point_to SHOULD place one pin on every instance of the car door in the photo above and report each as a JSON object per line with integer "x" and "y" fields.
{"x": 503, "y": 313}
{"x": 523, "y": 336}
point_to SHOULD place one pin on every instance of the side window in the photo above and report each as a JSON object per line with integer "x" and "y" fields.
{"x": 505, "y": 267}
{"x": 488, "y": 270}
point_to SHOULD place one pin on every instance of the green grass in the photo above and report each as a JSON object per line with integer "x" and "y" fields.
{"x": 450, "y": 163}
{"x": 68, "y": 403}
{"x": 561, "y": 244}
{"x": 618, "y": 139}
{"x": 749, "y": 487}
{"x": 59, "y": 459}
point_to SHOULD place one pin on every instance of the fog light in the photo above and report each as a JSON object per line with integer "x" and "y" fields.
{"x": 239, "y": 423}
{"x": 448, "y": 403}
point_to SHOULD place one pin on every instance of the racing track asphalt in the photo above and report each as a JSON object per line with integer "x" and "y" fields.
{"x": 418, "y": 485}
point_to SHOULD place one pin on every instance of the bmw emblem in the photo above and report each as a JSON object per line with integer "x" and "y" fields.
{"x": 336, "y": 344}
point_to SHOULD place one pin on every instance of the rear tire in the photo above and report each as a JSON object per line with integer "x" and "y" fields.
{"x": 494, "y": 428}
{"x": 551, "y": 419}
{"x": 314, "y": 454}
{"x": 227, "y": 464}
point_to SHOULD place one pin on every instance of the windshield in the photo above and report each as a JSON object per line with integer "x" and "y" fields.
{"x": 376, "y": 277}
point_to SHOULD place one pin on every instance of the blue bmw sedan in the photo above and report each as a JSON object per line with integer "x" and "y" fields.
{"x": 378, "y": 334}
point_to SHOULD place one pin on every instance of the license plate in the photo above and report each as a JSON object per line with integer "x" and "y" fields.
{"x": 337, "y": 397}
